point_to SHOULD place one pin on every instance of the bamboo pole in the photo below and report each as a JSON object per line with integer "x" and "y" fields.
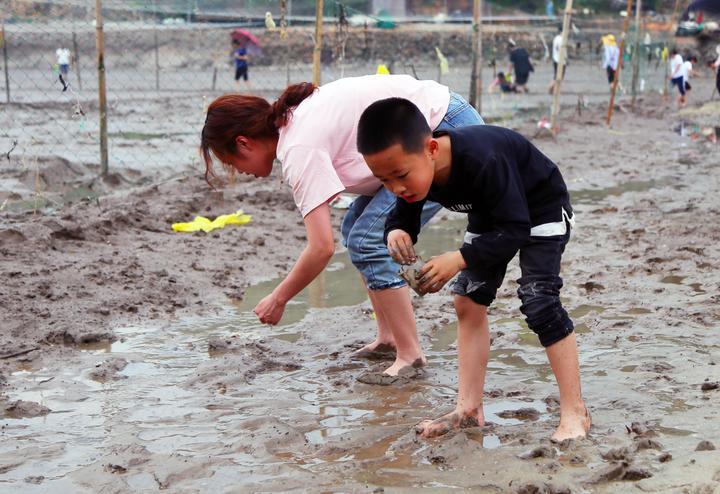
{"x": 636, "y": 51}
{"x": 5, "y": 65}
{"x": 477, "y": 62}
{"x": 102, "y": 96}
{"x": 673, "y": 21}
{"x": 561, "y": 65}
{"x": 620, "y": 61}
{"x": 76, "y": 55}
{"x": 317, "y": 51}
{"x": 157, "y": 60}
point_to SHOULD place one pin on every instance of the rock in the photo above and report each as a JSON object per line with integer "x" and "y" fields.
{"x": 710, "y": 386}
{"x": 539, "y": 452}
{"x": 28, "y": 409}
{"x": 705, "y": 446}
{"x": 636, "y": 473}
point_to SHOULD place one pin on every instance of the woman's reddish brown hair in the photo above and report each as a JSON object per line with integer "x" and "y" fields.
{"x": 235, "y": 115}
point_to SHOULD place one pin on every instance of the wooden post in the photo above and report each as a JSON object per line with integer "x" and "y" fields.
{"x": 76, "y": 55}
{"x": 561, "y": 65}
{"x": 477, "y": 62}
{"x": 636, "y": 51}
{"x": 102, "y": 96}
{"x": 620, "y": 62}
{"x": 317, "y": 51}
{"x": 5, "y": 65}
{"x": 157, "y": 60}
{"x": 673, "y": 21}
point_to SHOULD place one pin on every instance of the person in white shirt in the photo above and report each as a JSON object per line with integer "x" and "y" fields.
{"x": 687, "y": 72}
{"x": 556, "y": 47}
{"x": 676, "y": 75}
{"x": 63, "y": 60}
{"x": 611, "y": 56}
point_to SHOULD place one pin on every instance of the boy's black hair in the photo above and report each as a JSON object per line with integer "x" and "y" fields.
{"x": 391, "y": 121}
{"x": 501, "y": 75}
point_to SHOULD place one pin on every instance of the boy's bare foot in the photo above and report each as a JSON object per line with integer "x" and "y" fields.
{"x": 375, "y": 351}
{"x": 573, "y": 425}
{"x": 453, "y": 420}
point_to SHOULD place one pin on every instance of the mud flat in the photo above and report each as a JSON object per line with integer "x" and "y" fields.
{"x": 131, "y": 361}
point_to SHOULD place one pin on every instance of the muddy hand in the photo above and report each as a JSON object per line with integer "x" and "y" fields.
{"x": 400, "y": 247}
{"x": 269, "y": 310}
{"x": 439, "y": 270}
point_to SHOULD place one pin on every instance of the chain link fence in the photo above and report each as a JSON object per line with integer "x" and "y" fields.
{"x": 162, "y": 71}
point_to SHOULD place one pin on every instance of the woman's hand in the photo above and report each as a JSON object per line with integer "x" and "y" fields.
{"x": 439, "y": 270}
{"x": 270, "y": 309}
{"x": 400, "y": 247}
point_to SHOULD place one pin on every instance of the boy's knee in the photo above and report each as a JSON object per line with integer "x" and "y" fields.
{"x": 465, "y": 307}
{"x": 544, "y": 312}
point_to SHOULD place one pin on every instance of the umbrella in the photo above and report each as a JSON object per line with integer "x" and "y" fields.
{"x": 248, "y": 39}
{"x": 243, "y": 36}
{"x": 709, "y": 6}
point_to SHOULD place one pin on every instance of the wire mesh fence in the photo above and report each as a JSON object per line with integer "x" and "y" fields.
{"x": 162, "y": 71}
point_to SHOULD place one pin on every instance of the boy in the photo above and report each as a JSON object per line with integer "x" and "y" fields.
{"x": 515, "y": 199}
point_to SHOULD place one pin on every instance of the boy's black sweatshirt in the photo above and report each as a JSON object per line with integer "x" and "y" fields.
{"x": 504, "y": 184}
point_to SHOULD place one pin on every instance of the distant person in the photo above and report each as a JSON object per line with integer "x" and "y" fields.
{"x": 501, "y": 82}
{"x": 516, "y": 201}
{"x": 242, "y": 59}
{"x": 611, "y": 57}
{"x": 676, "y": 75}
{"x": 63, "y": 60}
{"x": 687, "y": 73}
{"x": 521, "y": 65}
{"x": 556, "y": 48}
{"x": 549, "y": 8}
{"x": 716, "y": 66}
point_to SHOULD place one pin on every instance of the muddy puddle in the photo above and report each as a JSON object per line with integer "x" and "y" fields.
{"x": 271, "y": 403}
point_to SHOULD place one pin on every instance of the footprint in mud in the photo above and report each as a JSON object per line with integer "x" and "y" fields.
{"x": 404, "y": 377}
{"x": 619, "y": 471}
{"x": 543, "y": 488}
{"x": 526, "y": 413}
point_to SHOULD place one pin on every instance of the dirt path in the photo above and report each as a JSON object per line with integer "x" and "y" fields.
{"x": 193, "y": 395}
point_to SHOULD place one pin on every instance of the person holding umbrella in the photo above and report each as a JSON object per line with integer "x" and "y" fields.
{"x": 242, "y": 40}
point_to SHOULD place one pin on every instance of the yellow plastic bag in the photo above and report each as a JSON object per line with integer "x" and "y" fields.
{"x": 204, "y": 224}
{"x": 382, "y": 70}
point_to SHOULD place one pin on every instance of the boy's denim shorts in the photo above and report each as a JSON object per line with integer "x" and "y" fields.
{"x": 363, "y": 226}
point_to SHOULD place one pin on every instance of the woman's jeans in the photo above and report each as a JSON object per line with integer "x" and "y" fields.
{"x": 363, "y": 226}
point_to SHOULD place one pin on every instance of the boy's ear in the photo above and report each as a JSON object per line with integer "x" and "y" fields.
{"x": 432, "y": 146}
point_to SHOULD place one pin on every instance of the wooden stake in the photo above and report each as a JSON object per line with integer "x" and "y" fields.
{"x": 673, "y": 21}
{"x": 157, "y": 60}
{"x": 76, "y": 55}
{"x": 561, "y": 65}
{"x": 102, "y": 95}
{"x": 636, "y": 51}
{"x": 620, "y": 62}
{"x": 317, "y": 51}
{"x": 477, "y": 62}
{"x": 5, "y": 65}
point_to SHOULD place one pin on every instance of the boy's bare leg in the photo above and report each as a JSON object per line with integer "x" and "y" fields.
{"x": 473, "y": 351}
{"x": 575, "y": 420}
{"x": 395, "y": 312}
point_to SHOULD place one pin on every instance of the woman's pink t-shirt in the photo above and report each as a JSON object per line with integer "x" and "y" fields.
{"x": 318, "y": 146}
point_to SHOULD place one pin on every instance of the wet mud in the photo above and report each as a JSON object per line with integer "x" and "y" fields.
{"x": 130, "y": 359}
